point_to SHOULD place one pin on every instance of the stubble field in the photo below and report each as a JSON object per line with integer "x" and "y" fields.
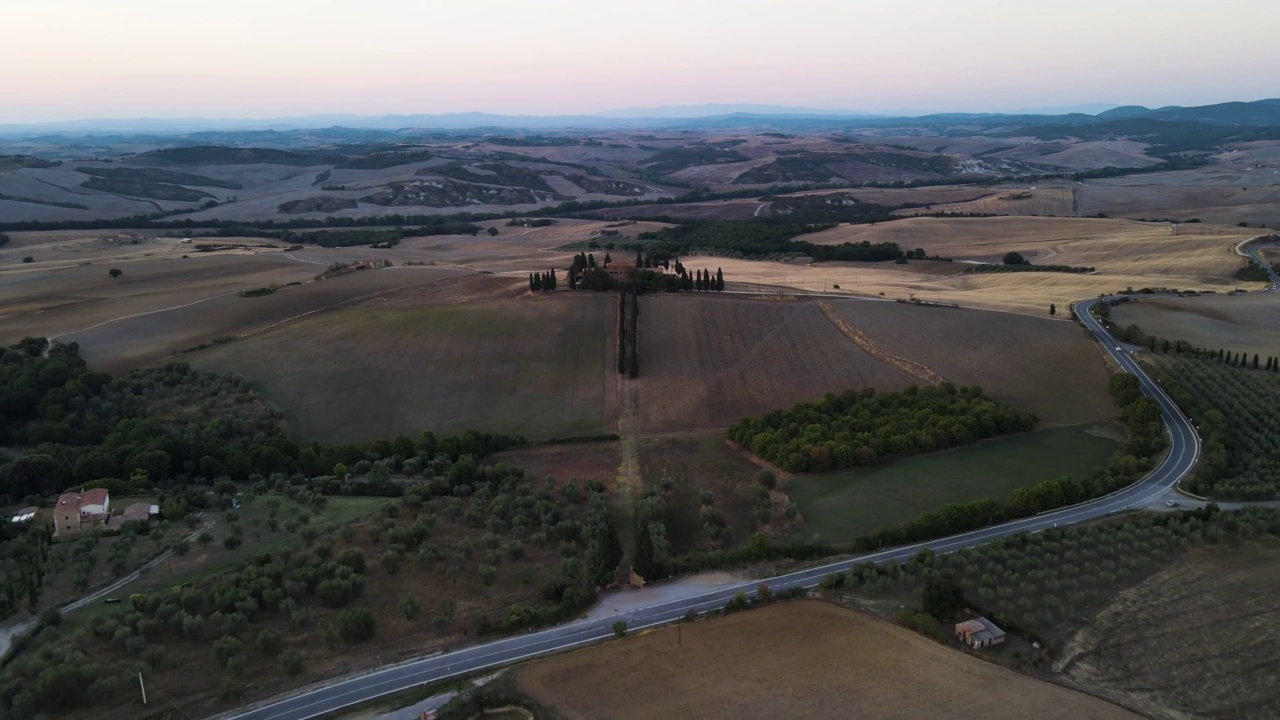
{"x": 1124, "y": 254}
{"x": 1036, "y": 364}
{"x": 798, "y": 659}
{"x": 1196, "y": 640}
{"x": 707, "y": 362}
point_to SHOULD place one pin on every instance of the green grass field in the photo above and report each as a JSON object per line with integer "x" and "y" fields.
{"x": 534, "y": 368}
{"x": 841, "y": 506}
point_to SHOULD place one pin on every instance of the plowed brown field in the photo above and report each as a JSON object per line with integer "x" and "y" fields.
{"x": 798, "y": 659}
{"x": 705, "y": 362}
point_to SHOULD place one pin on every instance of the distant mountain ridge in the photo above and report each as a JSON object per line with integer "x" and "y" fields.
{"x": 1257, "y": 113}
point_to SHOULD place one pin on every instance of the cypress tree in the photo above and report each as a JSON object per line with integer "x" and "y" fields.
{"x": 537, "y": 282}
{"x": 644, "y": 564}
{"x": 1255, "y": 361}
{"x": 634, "y": 364}
{"x": 1165, "y": 348}
{"x": 531, "y": 287}
{"x": 551, "y": 275}
{"x": 607, "y": 259}
{"x": 591, "y": 260}
{"x": 622, "y": 331}
{"x": 719, "y": 280}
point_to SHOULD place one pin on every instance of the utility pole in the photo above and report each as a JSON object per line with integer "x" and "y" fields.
{"x": 144, "y": 688}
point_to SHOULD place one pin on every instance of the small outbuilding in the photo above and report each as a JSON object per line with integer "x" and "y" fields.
{"x": 979, "y": 633}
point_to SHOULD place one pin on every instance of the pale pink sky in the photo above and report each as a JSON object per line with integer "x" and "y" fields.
{"x": 68, "y": 59}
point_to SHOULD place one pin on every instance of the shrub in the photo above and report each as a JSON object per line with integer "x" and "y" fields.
{"x": 292, "y": 661}
{"x": 410, "y": 607}
{"x": 356, "y": 625}
{"x": 619, "y": 629}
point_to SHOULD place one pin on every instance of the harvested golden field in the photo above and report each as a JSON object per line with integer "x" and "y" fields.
{"x": 1124, "y": 254}
{"x": 1052, "y": 369}
{"x": 533, "y": 366}
{"x": 1247, "y": 323}
{"x": 1197, "y": 640}
{"x": 705, "y": 362}
{"x": 1059, "y": 201}
{"x": 797, "y": 659}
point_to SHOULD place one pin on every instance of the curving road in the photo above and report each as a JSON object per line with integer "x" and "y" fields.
{"x": 1274, "y": 277}
{"x": 319, "y": 700}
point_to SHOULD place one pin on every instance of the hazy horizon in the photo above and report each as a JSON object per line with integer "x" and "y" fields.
{"x": 289, "y": 58}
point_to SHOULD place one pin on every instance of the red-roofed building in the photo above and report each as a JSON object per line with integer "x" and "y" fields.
{"x": 76, "y": 512}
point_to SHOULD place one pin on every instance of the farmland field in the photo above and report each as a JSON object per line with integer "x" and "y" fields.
{"x": 696, "y": 375}
{"x": 707, "y": 362}
{"x": 1205, "y": 629}
{"x": 1124, "y": 254}
{"x": 1037, "y": 365}
{"x": 1243, "y": 323}
{"x": 842, "y": 506}
{"x": 534, "y": 367}
{"x": 797, "y": 659}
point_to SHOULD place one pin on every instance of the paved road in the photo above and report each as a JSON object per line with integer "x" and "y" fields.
{"x": 319, "y": 700}
{"x": 1252, "y": 252}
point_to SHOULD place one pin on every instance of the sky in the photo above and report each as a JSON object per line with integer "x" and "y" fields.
{"x": 74, "y": 59}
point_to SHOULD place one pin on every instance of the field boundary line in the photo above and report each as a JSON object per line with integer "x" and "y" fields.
{"x": 917, "y": 370}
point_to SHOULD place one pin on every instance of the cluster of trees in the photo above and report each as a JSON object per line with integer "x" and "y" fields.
{"x": 542, "y": 282}
{"x": 768, "y": 237}
{"x": 1028, "y": 267}
{"x": 861, "y": 428}
{"x": 1236, "y": 412}
{"x": 346, "y": 238}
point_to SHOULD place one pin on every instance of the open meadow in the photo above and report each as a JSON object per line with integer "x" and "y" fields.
{"x": 1242, "y": 323}
{"x": 801, "y": 659}
{"x": 534, "y": 367}
{"x": 1195, "y": 640}
{"x": 842, "y": 506}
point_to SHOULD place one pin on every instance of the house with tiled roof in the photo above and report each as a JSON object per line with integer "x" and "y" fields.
{"x": 79, "y": 511}
{"x": 979, "y": 633}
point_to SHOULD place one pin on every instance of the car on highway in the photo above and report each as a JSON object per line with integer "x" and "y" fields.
{"x": 1171, "y": 503}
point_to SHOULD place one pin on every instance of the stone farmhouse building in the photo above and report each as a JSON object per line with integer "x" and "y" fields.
{"x": 80, "y": 511}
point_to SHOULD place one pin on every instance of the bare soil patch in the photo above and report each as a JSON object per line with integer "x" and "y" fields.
{"x": 1196, "y": 640}
{"x": 798, "y": 659}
